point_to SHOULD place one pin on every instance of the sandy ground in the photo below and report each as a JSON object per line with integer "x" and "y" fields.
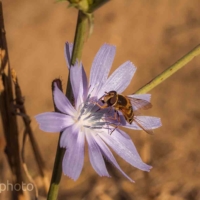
{"x": 153, "y": 35}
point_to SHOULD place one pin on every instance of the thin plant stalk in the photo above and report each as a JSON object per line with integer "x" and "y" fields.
{"x": 153, "y": 83}
{"x": 169, "y": 71}
{"x": 79, "y": 39}
{"x": 9, "y": 119}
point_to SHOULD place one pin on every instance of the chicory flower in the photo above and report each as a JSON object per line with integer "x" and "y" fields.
{"x": 85, "y": 121}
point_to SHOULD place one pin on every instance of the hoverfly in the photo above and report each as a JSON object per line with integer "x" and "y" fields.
{"x": 125, "y": 104}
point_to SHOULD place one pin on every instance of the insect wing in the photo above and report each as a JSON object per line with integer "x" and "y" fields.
{"x": 144, "y": 124}
{"x": 139, "y": 104}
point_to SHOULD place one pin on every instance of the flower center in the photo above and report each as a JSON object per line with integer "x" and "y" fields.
{"x": 89, "y": 115}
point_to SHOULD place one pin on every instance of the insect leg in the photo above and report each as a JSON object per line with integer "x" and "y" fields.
{"x": 102, "y": 107}
{"x": 118, "y": 118}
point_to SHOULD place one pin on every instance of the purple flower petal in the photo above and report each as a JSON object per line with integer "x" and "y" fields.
{"x": 119, "y": 79}
{"x": 85, "y": 84}
{"x": 95, "y": 155}
{"x": 125, "y": 149}
{"x": 109, "y": 156}
{"x": 79, "y": 99}
{"x": 101, "y": 67}
{"x": 74, "y": 156}
{"x": 68, "y": 53}
{"x": 64, "y": 141}
{"x": 76, "y": 82}
{"x": 62, "y": 102}
{"x": 145, "y": 121}
{"x": 53, "y": 122}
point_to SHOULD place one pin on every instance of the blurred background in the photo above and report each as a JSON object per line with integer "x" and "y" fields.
{"x": 153, "y": 35}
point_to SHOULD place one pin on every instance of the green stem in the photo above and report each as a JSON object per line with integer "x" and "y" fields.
{"x": 76, "y": 54}
{"x": 57, "y": 173}
{"x": 79, "y": 39}
{"x": 169, "y": 71}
